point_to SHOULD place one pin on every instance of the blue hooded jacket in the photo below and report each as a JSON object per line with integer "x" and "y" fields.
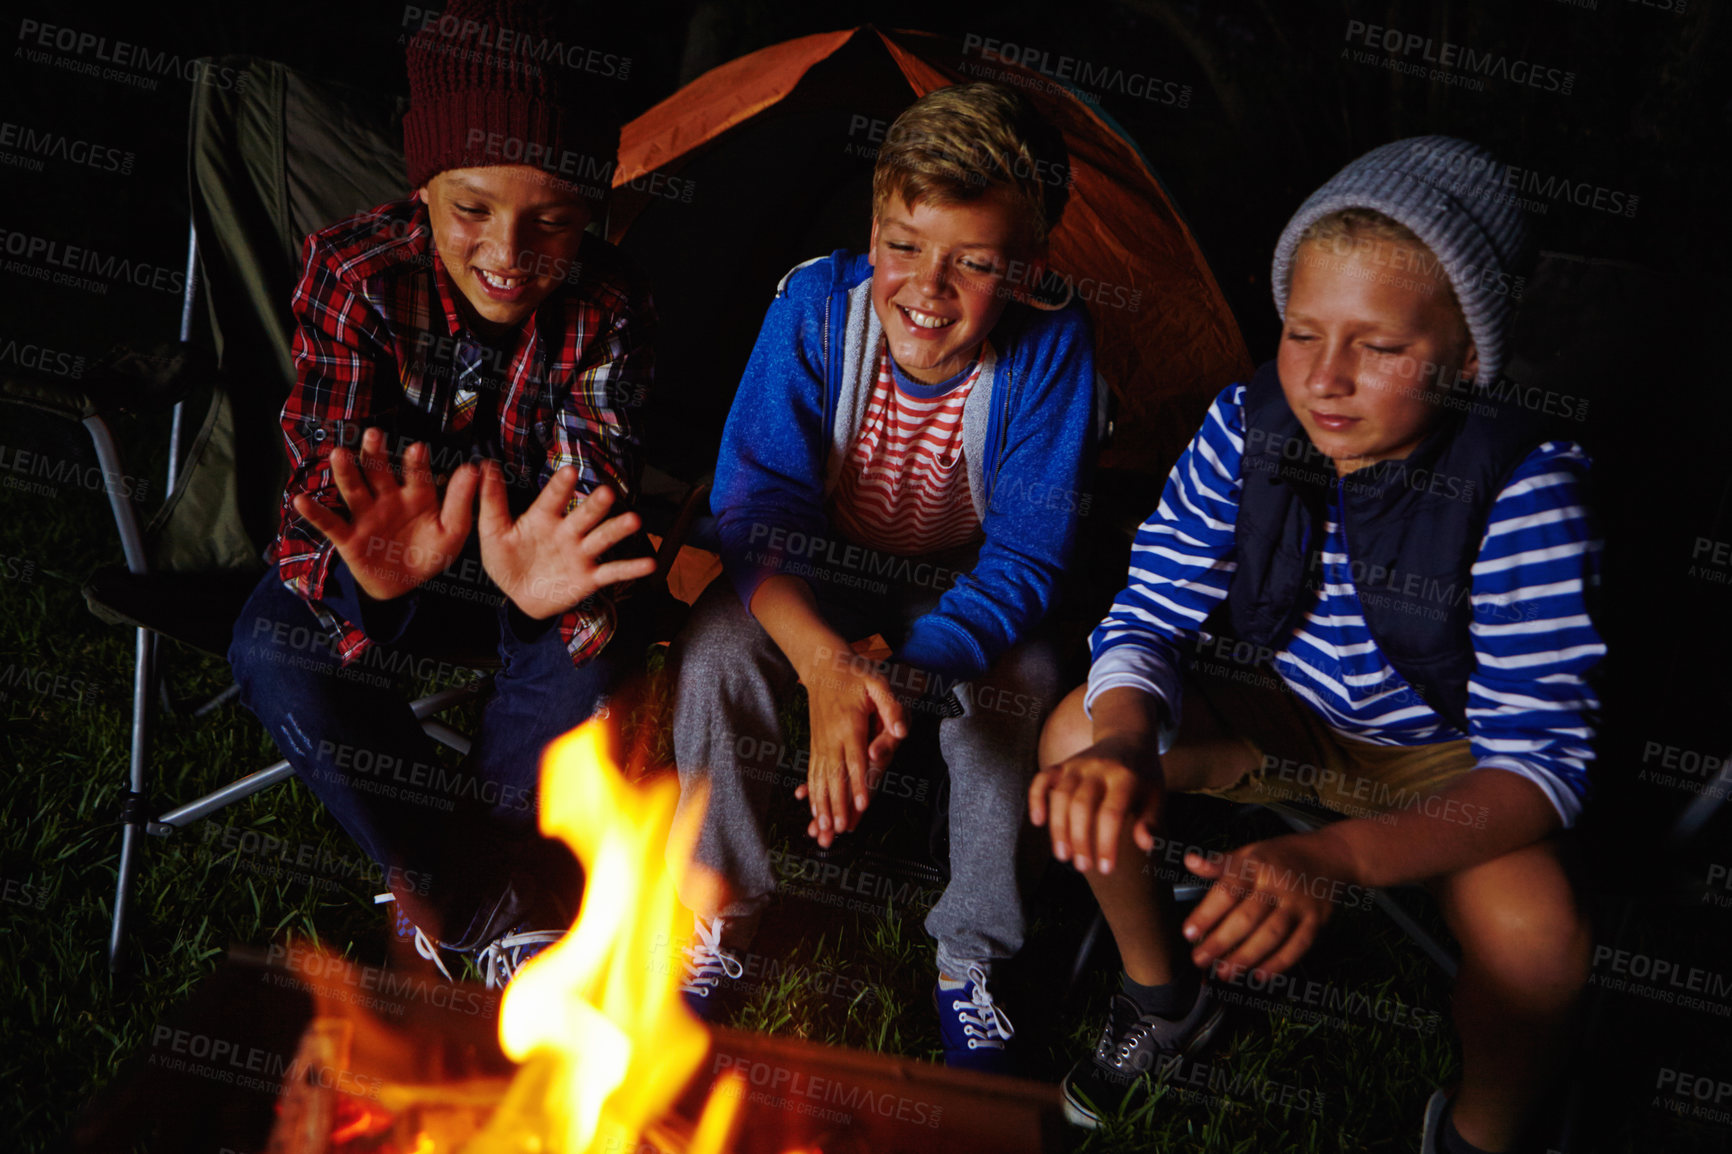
{"x": 1028, "y": 429}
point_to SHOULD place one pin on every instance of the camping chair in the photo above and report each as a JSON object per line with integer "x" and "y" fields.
{"x": 270, "y": 160}
{"x": 277, "y": 156}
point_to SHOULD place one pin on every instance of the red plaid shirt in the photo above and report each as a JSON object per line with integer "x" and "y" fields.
{"x": 379, "y": 341}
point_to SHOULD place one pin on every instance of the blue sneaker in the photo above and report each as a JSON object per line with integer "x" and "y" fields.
{"x": 707, "y": 967}
{"x": 975, "y": 1029}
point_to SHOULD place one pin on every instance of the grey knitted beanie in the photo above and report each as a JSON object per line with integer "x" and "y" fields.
{"x": 1450, "y": 194}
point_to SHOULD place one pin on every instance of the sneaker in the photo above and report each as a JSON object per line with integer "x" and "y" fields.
{"x": 1431, "y": 1130}
{"x": 707, "y": 965}
{"x": 406, "y": 930}
{"x": 974, "y": 1027}
{"x": 500, "y": 959}
{"x": 1132, "y": 1045}
{"x": 505, "y": 913}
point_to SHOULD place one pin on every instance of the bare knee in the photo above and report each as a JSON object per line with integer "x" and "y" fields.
{"x": 1522, "y": 929}
{"x": 1068, "y": 730}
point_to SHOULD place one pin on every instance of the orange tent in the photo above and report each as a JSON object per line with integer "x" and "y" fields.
{"x": 767, "y": 160}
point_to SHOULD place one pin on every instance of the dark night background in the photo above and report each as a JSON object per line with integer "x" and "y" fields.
{"x": 1275, "y": 109}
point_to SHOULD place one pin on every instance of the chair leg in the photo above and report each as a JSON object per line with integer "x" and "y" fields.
{"x": 131, "y": 835}
{"x": 1440, "y": 955}
{"x": 1085, "y": 949}
{"x": 135, "y": 812}
{"x": 217, "y": 702}
{"x": 1183, "y": 895}
{"x": 136, "y": 819}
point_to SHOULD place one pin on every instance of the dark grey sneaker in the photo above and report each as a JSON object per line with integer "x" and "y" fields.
{"x": 1134, "y": 1045}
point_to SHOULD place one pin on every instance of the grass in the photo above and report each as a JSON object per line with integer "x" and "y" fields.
{"x": 1274, "y": 1081}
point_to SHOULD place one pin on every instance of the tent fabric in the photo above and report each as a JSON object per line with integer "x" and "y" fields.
{"x": 1166, "y": 341}
{"x": 720, "y": 99}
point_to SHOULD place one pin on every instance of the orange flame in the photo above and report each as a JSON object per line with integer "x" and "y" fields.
{"x": 597, "y": 1020}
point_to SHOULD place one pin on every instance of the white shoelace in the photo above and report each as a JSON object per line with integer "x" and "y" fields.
{"x": 424, "y": 945}
{"x": 707, "y": 962}
{"x": 500, "y": 959}
{"x": 988, "y": 1025}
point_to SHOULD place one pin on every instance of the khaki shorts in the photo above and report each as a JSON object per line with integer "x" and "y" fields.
{"x": 1303, "y": 760}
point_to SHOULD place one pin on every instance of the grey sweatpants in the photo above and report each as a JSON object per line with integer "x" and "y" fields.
{"x": 730, "y": 678}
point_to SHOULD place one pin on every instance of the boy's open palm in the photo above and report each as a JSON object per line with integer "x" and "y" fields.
{"x": 398, "y": 534}
{"x": 548, "y": 560}
{"x": 857, "y": 723}
{"x": 1269, "y": 901}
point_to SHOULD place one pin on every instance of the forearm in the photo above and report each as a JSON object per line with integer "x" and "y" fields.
{"x": 1128, "y": 722}
{"x": 383, "y": 620}
{"x": 1482, "y": 815}
{"x": 788, "y": 611}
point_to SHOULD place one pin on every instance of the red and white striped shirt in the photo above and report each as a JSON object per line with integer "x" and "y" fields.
{"x": 904, "y": 488}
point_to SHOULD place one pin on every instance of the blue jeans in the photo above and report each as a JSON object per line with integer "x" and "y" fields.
{"x": 450, "y": 841}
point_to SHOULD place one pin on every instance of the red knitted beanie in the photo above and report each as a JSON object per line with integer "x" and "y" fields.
{"x": 506, "y": 82}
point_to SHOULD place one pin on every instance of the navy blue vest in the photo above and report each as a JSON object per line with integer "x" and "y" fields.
{"x": 1413, "y": 528}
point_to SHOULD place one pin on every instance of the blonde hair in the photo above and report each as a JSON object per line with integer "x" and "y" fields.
{"x": 956, "y": 144}
{"x": 1346, "y": 229}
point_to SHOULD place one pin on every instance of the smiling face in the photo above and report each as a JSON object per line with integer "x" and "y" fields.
{"x": 1372, "y": 338}
{"x": 940, "y": 277}
{"x": 507, "y": 235}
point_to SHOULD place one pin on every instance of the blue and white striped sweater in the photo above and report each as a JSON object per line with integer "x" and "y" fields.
{"x": 1529, "y": 708}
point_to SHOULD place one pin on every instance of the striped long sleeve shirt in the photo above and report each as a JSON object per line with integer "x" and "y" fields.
{"x": 1530, "y": 708}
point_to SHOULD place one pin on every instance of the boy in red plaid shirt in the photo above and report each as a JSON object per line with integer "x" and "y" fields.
{"x": 470, "y": 341}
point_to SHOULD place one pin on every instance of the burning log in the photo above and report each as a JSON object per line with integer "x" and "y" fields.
{"x": 784, "y": 1096}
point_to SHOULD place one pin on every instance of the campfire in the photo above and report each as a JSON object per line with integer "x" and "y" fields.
{"x": 607, "y": 1056}
{"x": 606, "y": 1046}
{"x": 606, "y": 1043}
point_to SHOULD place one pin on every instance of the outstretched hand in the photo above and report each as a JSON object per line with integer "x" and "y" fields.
{"x": 548, "y": 560}
{"x": 857, "y": 723}
{"x": 1269, "y": 901}
{"x": 399, "y": 534}
{"x": 1088, "y": 798}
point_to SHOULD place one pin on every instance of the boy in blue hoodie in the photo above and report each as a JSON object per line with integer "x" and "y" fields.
{"x": 904, "y": 458}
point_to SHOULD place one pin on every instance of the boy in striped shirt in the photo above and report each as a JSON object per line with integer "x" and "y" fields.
{"x": 1414, "y": 561}
{"x": 874, "y": 478}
